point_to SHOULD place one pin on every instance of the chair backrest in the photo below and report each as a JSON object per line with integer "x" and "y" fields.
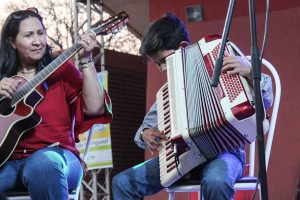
{"x": 273, "y": 119}
{"x": 88, "y": 143}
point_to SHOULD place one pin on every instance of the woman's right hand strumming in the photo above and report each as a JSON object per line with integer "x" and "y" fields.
{"x": 152, "y": 138}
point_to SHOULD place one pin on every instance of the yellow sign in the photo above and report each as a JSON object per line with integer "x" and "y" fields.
{"x": 100, "y": 153}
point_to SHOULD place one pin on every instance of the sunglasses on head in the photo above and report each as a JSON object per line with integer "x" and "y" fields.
{"x": 21, "y": 13}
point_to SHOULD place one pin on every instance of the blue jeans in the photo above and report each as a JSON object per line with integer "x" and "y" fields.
{"x": 48, "y": 173}
{"x": 217, "y": 178}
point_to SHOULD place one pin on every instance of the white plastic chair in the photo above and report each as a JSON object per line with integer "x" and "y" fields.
{"x": 73, "y": 195}
{"x": 247, "y": 182}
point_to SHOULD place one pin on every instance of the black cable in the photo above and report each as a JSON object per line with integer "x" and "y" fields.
{"x": 266, "y": 29}
{"x": 256, "y": 187}
{"x": 176, "y": 159}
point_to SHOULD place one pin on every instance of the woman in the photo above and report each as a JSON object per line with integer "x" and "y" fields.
{"x": 45, "y": 160}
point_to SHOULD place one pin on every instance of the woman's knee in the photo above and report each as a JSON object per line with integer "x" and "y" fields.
{"x": 44, "y": 163}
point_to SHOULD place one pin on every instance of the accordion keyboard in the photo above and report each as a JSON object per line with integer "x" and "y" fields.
{"x": 174, "y": 162}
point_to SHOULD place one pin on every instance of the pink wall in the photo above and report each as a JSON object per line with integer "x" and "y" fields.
{"x": 283, "y": 51}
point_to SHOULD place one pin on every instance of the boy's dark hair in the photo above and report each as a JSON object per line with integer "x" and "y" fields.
{"x": 164, "y": 34}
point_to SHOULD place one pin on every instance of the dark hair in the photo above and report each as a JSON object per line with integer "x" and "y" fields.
{"x": 164, "y": 34}
{"x": 9, "y": 61}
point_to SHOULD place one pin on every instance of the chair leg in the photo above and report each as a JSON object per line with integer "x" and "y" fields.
{"x": 171, "y": 195}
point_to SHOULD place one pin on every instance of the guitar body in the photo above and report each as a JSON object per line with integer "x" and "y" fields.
{"x": 16, "y": 120}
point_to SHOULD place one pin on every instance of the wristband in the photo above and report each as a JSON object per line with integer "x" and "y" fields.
{"x": 84, "y": 63}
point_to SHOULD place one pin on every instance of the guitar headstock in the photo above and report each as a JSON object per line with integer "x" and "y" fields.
{"x": 112, "y": 24}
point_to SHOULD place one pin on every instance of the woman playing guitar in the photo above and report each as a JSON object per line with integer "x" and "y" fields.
{"x": 42, "y": 105}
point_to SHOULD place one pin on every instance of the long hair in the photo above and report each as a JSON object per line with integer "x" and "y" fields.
{"x": 164, "y": 34}
{"x": 9, "y": 61}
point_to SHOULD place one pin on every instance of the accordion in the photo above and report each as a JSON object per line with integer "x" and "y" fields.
{"x": 200, "y": 121}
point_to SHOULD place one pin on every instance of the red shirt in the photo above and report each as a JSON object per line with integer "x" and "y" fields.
{"x": 62, "y": 103}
